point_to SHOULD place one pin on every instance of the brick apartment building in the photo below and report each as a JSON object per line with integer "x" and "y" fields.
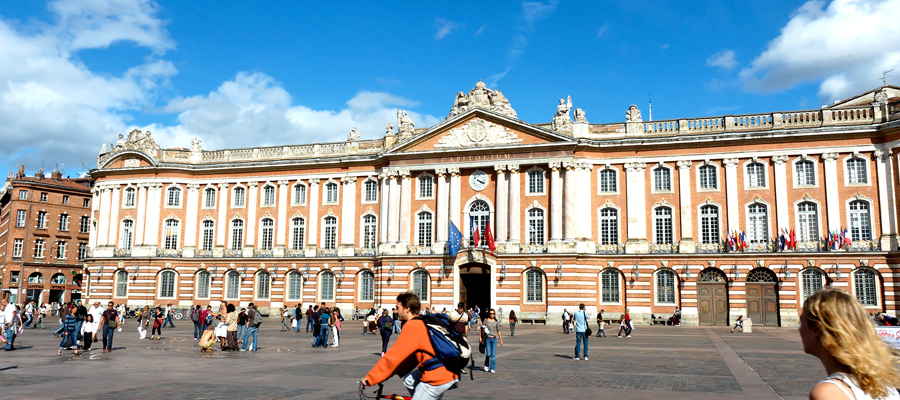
{"x": 44, "y": 232}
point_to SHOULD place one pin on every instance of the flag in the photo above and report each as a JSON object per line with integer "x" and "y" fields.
{"x": 743, "y": 241}
{"x": 782, "y": 242}
{"x": 847, "y": 239}
{"x": 455, "y": 240}
{"x": 476, "y": 238}
{"x": 489, "y": 237}
{"x": 793, "y": 241}
{"x": 731, "y": 242}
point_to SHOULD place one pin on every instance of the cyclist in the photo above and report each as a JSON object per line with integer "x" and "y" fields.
{"x": 409, "y": 354}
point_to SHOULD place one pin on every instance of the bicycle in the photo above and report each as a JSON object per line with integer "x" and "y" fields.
{"x": 376, "y": 393}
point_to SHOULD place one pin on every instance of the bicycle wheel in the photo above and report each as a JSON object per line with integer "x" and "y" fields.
{"x": 179, "y": 315}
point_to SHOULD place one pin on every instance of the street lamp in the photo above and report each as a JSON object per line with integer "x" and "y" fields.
{"x": 559, "y": 270}
{"x": 687, "y": 271}
{"x": 391, "y": 271}
{"x": 787, "y": 273}
{"x": 503, "y": 271}
{"x": 635, "y": 272}
{"x": 837, "y": 269}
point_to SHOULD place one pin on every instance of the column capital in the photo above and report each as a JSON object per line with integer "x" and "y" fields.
{"x": 513, "y": 168}
{"x": 499, "y": 168}
{"x": 554, "y": 166}
{"x": 881, "y": 155}
{"x": 223, "y": 186}
{"x": 404, "y": 173}
{"x": 585, "y": 166}
{"x": 193, "y": 187}
{"x": 253, "y": 185}
{"x": 156, "y": 186}
{"x": 730, "y": 162}
{"x": 569, "y": 165}
{"x": 284, "y": 182}
{"x": 635, "y": 167}
{"x": 314, "y": 181}
{"x": 830, "y": 156}
{"x": 440, "y": 172}
{"x": 780, "y": 159}
{"x": 453, "y": 171}
{"x": 683, "y": 164}
{"x": 349, "y": 180}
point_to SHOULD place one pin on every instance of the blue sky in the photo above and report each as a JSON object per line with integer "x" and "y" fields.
{"x": 235, "y": 74}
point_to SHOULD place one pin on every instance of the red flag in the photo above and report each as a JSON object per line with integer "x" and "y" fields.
{"x": 489, "y": 238}
{"x": 793, "y": 245}
{"x": 476, "y": 237}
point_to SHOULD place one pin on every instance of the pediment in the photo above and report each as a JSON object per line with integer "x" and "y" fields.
{"x": 479, "y": 128}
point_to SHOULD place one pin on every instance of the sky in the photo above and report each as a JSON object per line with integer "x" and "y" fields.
{"x": 75, "y": 74}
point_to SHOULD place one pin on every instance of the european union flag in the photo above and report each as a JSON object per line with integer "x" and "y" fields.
{"x": 455, "y": 240}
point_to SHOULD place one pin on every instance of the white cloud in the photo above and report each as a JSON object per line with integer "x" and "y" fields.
{"x": 723, "y": 59}
{"x": 100, "y": 23}
{"x": 533, "y": 12}
{"x": 479, "y": 32}
{"x": 495, "y": 78}
{"x": 845, "y": 46}
{"x": 603, "y": 29}
{"x": 444, "y": 28}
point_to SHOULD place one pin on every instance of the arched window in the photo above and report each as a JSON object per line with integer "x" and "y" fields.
{"x": 662, "y": 179}
{"x": 268, "y": 196}
{"x": 300, "y": 194}
{"x": 295, "y": 285}
{"x": 36, "y": 277}
{"x": 167, "y": 284}
{"x": 805, "y": 173}
{"x": 536, "y": 226}
{"x": 665, "y": 286}
{"x": 240, "y": 195}
{"x": 608, "y": 181}
{"x": 263, "y": 283}
{"x": 121, "y": 283}
{"x": 173, "y": 231}
{"x": 420, "y": 284}
{"x": 426, "y": 186}
{"x": 424, "y": 224}
{"x": 711, "y": 275}
{"x": 756, "y": 175}
{"x": 865, "y": 287}
{"x": 609, "y": 286}
{"x": 808, "y": 217}
{"x": 58, "y": 279}
{"x": 856, "y": 171}
{"x": 480, "y": 213}
{"x": 812, "y": 281}
{"x": 209, "y": 198}
{"x": 330, "y": 232}
{"x": 207, "y": 235}
{"x": 536, "y": 181}
{"x": 331, "y": 192}
{"x": 609, "y": 226}
{"x": 708, "y": 178}
{"x": 298, "y": 233}
{"x": 267, "y": 233}
{"x": 366, "y": 286}
{"x": 709, "y": 224}
{"x": 371, "y": 191}
{"x": 232, "y": 285}
{"x": 860, "y": 228}
{"x": 173, "y": 197}
{"x": 130, "y": 195}
{"x": 369, "y": 229}
{"x": 203, "y": 285}
{"x": 326, "y": 286}
{"x": 662, "y": 222}
{"x": 762, "y": 275}
{"x": 127, "y": 234}
{"x": 534, "y": 286}
{"x": 237, "y": 234}
{"x": 758, "y": 218}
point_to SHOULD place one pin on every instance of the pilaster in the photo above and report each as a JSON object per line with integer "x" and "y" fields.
{"x": 635, "y": 193}
{"x": 570, "y": 209}
{"x": 192, "y": 203}
{"x": 348, "y": 216}
{"x": 141, "y": 221}
{"x": 832, "y": 199}
{"x": 556, "y": 209}
{"x": 515, "y": 209}
{"x": 103, "y": 223}
{"x": 781, "y": 193}
{"x": 584, "y": 220}
{"x": 250, "y": 237}
{"x": 731, "y": 194}
{"x": 222, "y": 221}
{"x": 384, "y": 181}
{"x": 312, "y": 237}
{"x": 443, "y": 212}
{"x": 282, "y": 222}
{"x": 113, "y": 217}
{"x": 501, "y": 231}
{"x": 455, "y": 204}
{"x": 886, "y": 199}
{"x": 686, "y": 245}
{"x": 405, "y": 198}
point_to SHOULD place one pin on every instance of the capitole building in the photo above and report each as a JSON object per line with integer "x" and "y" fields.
{"x": 630, "y": 215}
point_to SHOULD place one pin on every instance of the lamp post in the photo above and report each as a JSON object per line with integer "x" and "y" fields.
{"x": 559, "y": 270}
{"x": 503, "y": 271}
{"x": 837, "y": 269}
{"x": 635, "y": 273}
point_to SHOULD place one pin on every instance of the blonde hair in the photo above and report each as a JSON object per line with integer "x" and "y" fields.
{"x": 845, "y": 331}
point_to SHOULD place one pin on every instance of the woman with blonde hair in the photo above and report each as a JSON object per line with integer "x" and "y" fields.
{"x": 834, "y": 328}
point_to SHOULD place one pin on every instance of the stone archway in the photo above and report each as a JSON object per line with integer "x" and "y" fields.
{"x": 475, "y": 285}
{"x": 712, "y": 297}
{"x": 762, "y": 297}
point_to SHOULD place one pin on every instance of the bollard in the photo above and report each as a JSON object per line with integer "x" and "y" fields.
{"x": 748, "y": 325}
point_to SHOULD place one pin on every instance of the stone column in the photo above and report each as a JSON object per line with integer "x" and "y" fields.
{"x": 832, "y": 199}
{"x": 635, "y": 193}
{"x": 151, "y": 233}
{"x": 394, "y": 209}
{"x": 190, "y": 224}
{"x": 442, "y": 212}
{"x": 502, "y": 202}
{"x": 250, "y": 237}
{"x": 455, "y": 204}
{"x": 731, "y": 194}
{"x": 886, "y": 200}
{"x": 686, "y": 245}
{"x": 570, "y": 210}
{"x": 113, "y": 217}
{"x": 584, "y": 219}
{"x": 515, "y": 209}
{"x": 348, "y": 216}
{"x": 95, "y": 216}
{"x": 282, "y": 223}
{"x": 556, "y": 209}
{"x": 781, "y": 193}
{"x": 222, "y": 222}
{"x": 141, "y": 221}
{"x": 103, "y": 211}
{"x": 405, "y": 198}
{"x": 312, "y": 236}
{"x": 383, "y": 203}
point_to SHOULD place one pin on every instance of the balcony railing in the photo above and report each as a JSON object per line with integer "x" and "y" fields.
{"x": 710, "y": 248}
{"x": 610, "y": 248}
{"x": 326, "y": 252}
{"x": 864, "y": 245}
{"x": 168, "y": 252}
{"x": 533, "y": 248}
{"x": 810, "y": 246}
{"x": 203, "y": 253}
{"x": 663, "y": 248}
{"x": 233, "y": 253}
{"x": 363, "y": 251}
{"x": 123, "y": 253}
{"x": 421, "y": 250}
{"x": 263, "y": 253}
{"x": 294, "y": 253}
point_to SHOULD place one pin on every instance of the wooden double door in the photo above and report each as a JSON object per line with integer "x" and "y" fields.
{"x": 762, "y": 303}
{"x": 712, "y": 303}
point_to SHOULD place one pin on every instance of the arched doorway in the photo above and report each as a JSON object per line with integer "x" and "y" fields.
{"x": 475, "y": 285}
{"x": 762, "y": 297}
{"x": 34, "y": 288}
{"x": 712, "y": 297}
{"x": 57, "y": 288}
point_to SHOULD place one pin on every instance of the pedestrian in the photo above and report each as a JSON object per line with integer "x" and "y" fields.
{"x": 581, "y": 325}
{"x": 500, "y": 315}
{"x": 254, "y": 320}
{"x": 8, "y": 312}
{"x": 565, "y": 321}
{"x": 324, "y": 328}
{"x": 232, "y": 328}
{"x": 628, "y": 325}
{"x": 42, "y": 313}
{"x": 196, "y": 313}
{"x": 144, "y": 320}
{"x": 739, "y": 323}
{"x": 81, "y": 313}
{"x": 298, "y": 316}
{"x": 29, "y": 312}
{"x": 168, "y": 316}
{"x": 677, "y": 317}
{"x": 513, "y": 320}
{"x": 600, "y": 324}
{"x": 370, "y": 324}
{"x": 490, "y": 334}
{"x": 159, "y": 316}
{"x": 206, "y": 319}
{"x": 397, "y": 322}
{"x": 96, "y": 310}
{"x": 89, "y": 332}
{"x": 336, "y": 319}
{"x": 623, "y": 327}
{"x": 386, "y": 327}
{"x": 460, "y": 320}
{"x": 285, "y": 319}
{"x": 68, "y": 334}
{"x": 121, "y": 310}
{"x": 242, "y": 326}
{"x": 109, "y": 322}
{"x": 834, "y": 329}
{"x": 208, "y": 339}
{"x": 309, "y": 320}
{"x": 317, "y": 324}
{"x": 221, "y": 331}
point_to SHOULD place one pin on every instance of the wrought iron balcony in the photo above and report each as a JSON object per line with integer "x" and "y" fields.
{"x": 294, "y": 253}
{"x": 363, "y": 251}
{"x": 326, "y": 252}
{"x": 123, "y": 253}
{"x": 665, "y": 248}
{"x": 168, "y": 252}
{"x": 611, "y": 248}
{"x": 233, "y": 253}
{"x": 533, "y": 248}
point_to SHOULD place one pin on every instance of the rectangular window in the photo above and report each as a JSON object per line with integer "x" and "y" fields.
{"x": 85, "y": 225}
{"x": 239, "y": 195}
{"x": 856, "y": 170}
{"x": 23, "y": 195}
{"x": 330, "y": 233}
{"x": 64, "y": 222}
{"x": 42, "y": 220}
{"x": 371, "y": 191}
{"x": 756, "y": 175}
{"x": 608, "y": 181}
{"x": 174, "y": 197}
{"x": 203, "y": 285}
{"x": 662, "y": 179}
{"x": 665, "y": 287}
{"x": 331, "y": 193}
{"x": 367, "y": 287}
{"x": 65, "y": 200}
{"x": 536, "y": 226}
{"x": 609, "y": 227}
{"x": 130, "y": 195}
{"x": 208, "y": 235}
{"x": 709, "y": 225}
{"x": 805, "y": 171}
{"x": 39, "y": 248}
{"x": 610, "y": 283}
{"x": 61, "y": 250}
{"x": 708, "y": 177}
{"x": 663, "y": 222}
{"x": 425, "y": 229}
{"x": 87, "y": 203}
{"x": 14, "y": 277}
{"x": 43, "y": 196}
{"x": 369, "y": 229}
{"x": 299, "y": 233}
{"x": 535, "y": 182}
{"x": 269, "y": 196}
{"x": 300, "y": 194}
{"x": 425, "y": 186}
{"x": 82, "y": 250}
{"x": 209, "y": 200}
{"x": 20, "y": 218}
{"x": 18, "y": 244}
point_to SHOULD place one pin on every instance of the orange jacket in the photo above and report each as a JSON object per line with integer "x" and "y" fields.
{"x": 408, "y": 353}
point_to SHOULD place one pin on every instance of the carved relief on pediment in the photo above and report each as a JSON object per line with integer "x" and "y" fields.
{"x": 478, "y": 133}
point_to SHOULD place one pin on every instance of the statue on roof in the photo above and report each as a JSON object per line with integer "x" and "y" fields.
{"x": 633, "y": 114}
{"x": 483, "y": 97}
{"x": 353, "y": 135}
{"x": 406, "y": 125}
{"x": 389, "y": 129}
{"x": 561, "y": 121}
{"x": 120, "y": 144}
{"x": 579, "y": 116}
{"x": 140, "y": 141}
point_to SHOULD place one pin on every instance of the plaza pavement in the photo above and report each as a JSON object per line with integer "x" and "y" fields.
{"x": 657, "y": 362}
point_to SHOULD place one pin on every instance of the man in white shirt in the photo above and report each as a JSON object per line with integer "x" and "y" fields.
{"x": 168, "y": 317}
{"x": 96, "y": 311}
{"x": 29, "y": 313}
{"x": 8, "y": 315}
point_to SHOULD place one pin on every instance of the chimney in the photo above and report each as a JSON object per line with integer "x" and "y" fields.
{"x": 21, "y": 172}
{"x": 39, "y": 174}
{"x": 56, "y": 175}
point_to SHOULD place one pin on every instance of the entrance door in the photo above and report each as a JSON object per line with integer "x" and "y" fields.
{"x": 762, "y": 297}
{"x": 712, "y": 297}
{"x": 475, "y": 286}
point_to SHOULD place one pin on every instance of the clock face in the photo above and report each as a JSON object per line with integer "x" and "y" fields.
{"x": 478, "y": 180}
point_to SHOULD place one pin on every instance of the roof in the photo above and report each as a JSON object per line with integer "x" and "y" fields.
{"x": 71, "y": 184}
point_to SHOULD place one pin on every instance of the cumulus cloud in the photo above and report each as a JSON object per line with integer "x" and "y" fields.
{"x": 844, "y": 45}
{"x": 444, "y": 28}
{"x": 723, "y": 59}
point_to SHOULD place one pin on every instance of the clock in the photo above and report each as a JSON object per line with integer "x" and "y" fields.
{"x": 478, "y": 180}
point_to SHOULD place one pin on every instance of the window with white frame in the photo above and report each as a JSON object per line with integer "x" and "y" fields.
{"x": 87, "y": 203}
{"x": 535, "y": 181}
{"x": 298, "y": 233}
{"x": 203, "y": 285}
{"x": 865, "y": 286}
{"x": 708, "y": 178}
{"x": 130, "y": 197}
{"x": 43, "y": 196}
{"x": 662, "y": 224}
{"x": 426, "y": 186}
{"x": 608, "y": 180}
{"x": 424, "y": 224}
{"x": 267, "y": 233}
{"x": 21, "y": 215}
{"x": 756, "y": 175}
{"x": 167, "y": 284}
{"x": 856, "y": 171}
{"x": 370, "y": 187}
{"x": 42, "y": 220}
{"x": 232, "y": 285}
{"x": 369, "y": 229}
{"x": 805, "y": 173}
{"x": 331, "y": 192}
{"x": 860, "y": 227}
{"x": 366, "y": 286}
{"x": 65, "y": 200}
{"x": 85, "y": 225}
{"x": 18, "y": 245}
{"x": 665, "y": 286}
{"x": 209, "y": 198}
{"x": 480, "y": 213}
{"x": 207, "y": 235}
{"x": 82, "y": 250}
{"x": 609, "y": 226}
{"x": 808, "y": 217}
{"x": 64, "y": 222}
{"x": 121, "y": 283}
{"x": 263, "y": 285}
{"x": 326, "y": 286}
{"x": 237, "y": 234}
{"x": 295, "y": 285}
{"x": 534, "y": 286}
{"x": 709, "y": 224}
{"x": 758, "y": 223}
{"x": 662, "y": 179}
{"x": 420, "y": 284}
{"x": 330, "y": 232}
{"x": 23, "y": 195}
{"x": 268, "y": 196}
{"x": 609, "y": 286}
{"x": 127, "y": 238}
{"x": 39, "y": 248}
{"x": 536, "y": 226}
{"x": 173, "y": 197}
{"x": 812, "y": 281}
{"x": 300, "y": 194}
{"x": 61, "y": 248}
{"x": 240, "y": 196}
{"x": 173, "y": 230}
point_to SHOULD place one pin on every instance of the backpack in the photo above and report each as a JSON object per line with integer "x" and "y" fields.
{"x": 209, "y": 319}
{"x": 257, "y": 319}
{"x": 451, "y": 349}
{"x": 389, "y": 327}
{"x": 195, "y": 315}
